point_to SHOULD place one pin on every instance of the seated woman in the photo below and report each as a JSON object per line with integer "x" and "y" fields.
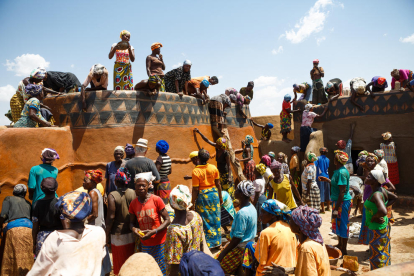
{"x": 404, "y": 76}
{"x": 155, "y": 64}
{"x": 243, "y": 230}
{"x": 277, "y": 243}
{"x": 176, "y": 80}
{"x": 185, "y": 232}
{"x": 266, "y": 130}
{"x": 216, "y": 107}
{"x": 247, "y": 155}
{"x": 239, "y": 100}
{"x": 150, "y": 87}
{"x": 31, "y": 115}
{"x": 378, "y": 84}
{"x": 305, "y": 89}
{"x": 198, "y": 89}
{"x": 123, "y": 79}
{"x": 358, "y": 88}
{"x": 98, "y": 78}
{"x": 334, "y": 88}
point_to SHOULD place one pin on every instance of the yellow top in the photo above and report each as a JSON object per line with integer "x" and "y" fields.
{"x": 313, "y": 259}
{"x": 283, "y": 192}
{"x": 204, "y": 176}
{"x": 98, "y": 186}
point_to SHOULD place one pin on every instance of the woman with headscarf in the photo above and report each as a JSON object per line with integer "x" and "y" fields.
{"x": 239, "y": 100}
{"x": 305, "y": 89}
{"x": 118, "y": 234}
{"x": 404, "y": 76}
{"x": 223, "y": 162}
{"x": 390, "y": 156}
{"x": 322, "y": 166}
{"x": 112, "y": 168}
{"x": 259, "y": 196}
{"x": 39, "y": 172}
{"x": 45, "y": 217}
{"x": 341, "y": 200}
{"x": 16, "y": 251}
{"x": 334, "y": 88}
{"x": 163, "y": 164}
{"x": 149, "y": 219}
{"x": 362, "y": 155}
{"x": 97, "y": 78}
{"x": 247, "y": 155}
{"x": 277, "y": 243}
{"x": 282, "y": 159}
{"x": 216, "y": 107}
{"x": 286, "y": 116}
{"x": 243, "y": 230}
{"x": 155, "y": 64}
{"x": 227, "y": 211}
{"x": 176, "y": 80}
{"x": 150, "y": 86}
{"x": 294, "y": 167}
{"x": 198, "y": 89}
{"x": 129, "y": 152}
{"x": 196, "y": 263}
{"x": 308, "y": 116}
{"x": 124, "y": 55}
{"x": 377, "y": 221}
{"x": 207, "y": 197}
{"x": 378, "y": 84}
{"x": 310, "y": 189}
{"x": 57, "y": 253}
{"x": 185, "y": 233}
{"x": 358, "y": 88}
{"x": 266, "y": 130}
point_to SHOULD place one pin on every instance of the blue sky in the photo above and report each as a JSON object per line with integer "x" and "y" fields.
{"x": 270, "y": 42}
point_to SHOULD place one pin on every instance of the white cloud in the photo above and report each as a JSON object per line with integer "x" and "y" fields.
{"x": 312, "y": 22}
{"x": 319, "y": 40}
{"x": 24, "y": 64}
{"x": 268, "y": 99}
{"x": 341, "y": 5}
{"x": 72, "y": 65}
{"x": 408, "y": 39}
{"x": 385, "y": 34}
{"x": 277, "y": 51}
{"x": 267, "y": 81}
{"x": 176, "y": 65}
{"x": 6, "y": 92}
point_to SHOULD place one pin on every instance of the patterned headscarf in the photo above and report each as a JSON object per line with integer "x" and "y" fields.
{"x": 249, "y": 139}
{"x": 123, "y": 175}
{"x": 272, "y": 154}
{"x": 94, "y": 175}
{"x": 155, "y": 45}
{"x": 121, "y": 148}
{"x": 296, "y": 149}
{"x": 266, "y": 160}
{"x": 329, "y": 85}
{"x": 124, "y": 32}
{"x": 386, "y": 136}
{"x": 381, "y": 80}
{"x": 98, "y": 69}
{"x": 20, "y": 190}
{"x": 275, "y": 165}
{"x": 162, "y": 146}
{"x": 311, "y": 157}
{"x": 49, "y": 155}
{"x": 38, "y": 73}
{"x": 380, "y": 153}
{"x": 316, "y": 61}
{"x": 33, "y": 89}
{"x": 308, "y": 107}
{"x": 205, "y": 83}
{"x": 225, "y": 99}
{"x": 342, "y": 157}
{"x": 246, "y": 187}
{"x": 233, "y": 98}
{"x": 270, "y": 125}
{"x": 361, "y": 157}
{"x": 287, "y": 98}
{"x": 371, "y": 155}
{"x": 379, "y": 176}
{"x": 222, "y": 143}
{"x": 75, "y": 206}
{"x": 187, "y": 62}
{"x": 277, "y": 208}
{"x": 295, "y": 86}
{"x": 129, "y": 149}
{"x": 230, "y": 91}
{"x": 363, "y": 152}
{"x": 261, "y": 168}
{"x": 309, "y": 221}
{"x": 247, "y": 99}
{"x": 180, "y": 198}
{"x": 341, "y": 144}
{"x": 153, "y": 79}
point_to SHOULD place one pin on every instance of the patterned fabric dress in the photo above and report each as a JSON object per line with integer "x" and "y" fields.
{"x": 25, "y": 120}
{"x": 123, "y": 77}
{"x": 390, "y": 157}
{"x": 173, "y": 75}
{"x": 285, "y": 118}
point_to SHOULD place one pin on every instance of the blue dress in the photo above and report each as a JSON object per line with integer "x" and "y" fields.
{"x": 322, "y": 165}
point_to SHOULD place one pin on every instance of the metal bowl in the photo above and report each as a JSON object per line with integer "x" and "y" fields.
{"x": 334, "y": 253}
{"x": 123, "y": 45}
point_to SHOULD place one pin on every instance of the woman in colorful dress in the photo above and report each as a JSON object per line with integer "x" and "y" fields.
{"x": 176, "y": 80}
{"x": 223, "y": 162}
{"x": 390, "y": 156}
{"x": 240, "y": 101}
{"x": 185, "y": 232}
{"x": 404, "y": 76}
{"x": 377, "y": 221}
{"x": 377, "y": 84}
{"x": 286, "y": 117}
{"x": 310, "y": 189}
{"x": 305, "y": 89}
{"x": 341, "y": 200}
{"x": 249, "y": 164}
{"x": 123, "y": 79}
{"x": 294, "y": 167}
{"x": 207, "y": 198}
{"x": 155, "y": 64}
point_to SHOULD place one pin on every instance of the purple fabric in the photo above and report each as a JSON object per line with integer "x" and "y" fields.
{"x": 129, "y": 149}
{"x": 367, "y": 192}
{"x": 266, "y": 160}
{"x": 403, "y": 76}
{"x": 375, "y": 79}
{"x": 309, "y": 221}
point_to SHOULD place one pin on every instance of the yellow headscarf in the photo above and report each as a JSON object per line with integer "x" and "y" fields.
{"x": 193, "y": 154}
{"x": 261, "y": 168}
{"x": 124, "y": 32}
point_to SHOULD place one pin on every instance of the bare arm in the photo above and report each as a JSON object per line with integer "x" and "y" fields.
{"x": 110, "y": 217}
{"x": 270, "y": 194}
{"x": 148, "y": 65}
{"x": 33, "y": 116}
{"x": 377, "y": 198}
{"x": 247, "y": 155}
{"x": 229, "y": 167}
{"x": 295, "y": 190}
{"x": 112, "y": 51}
{"x": 196, "y": 130}
{"x": 35, "y": 230}
{"x": 177, "y": 86}
{"x": 369, "y": 85}
{"x": 392, "y": 198}
{"x": 131, "y": 53}
{"x": 94, "y": 213}
{"x": 186, "y": 87}
{"x": 164, "y": 224}
{"x": 233, "y": 243}
{"x": 256, "y": 198}
{"x": 353, "y": 100}
{"x": 218, "y": 186}
{"x": 194, "y": 195}
{"x": 324, "y": 111}
{"x": 340, "y": 199}
{"x": 256, "y": 124}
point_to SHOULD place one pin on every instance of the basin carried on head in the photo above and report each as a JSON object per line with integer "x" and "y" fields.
{"x": 334, "y": 254}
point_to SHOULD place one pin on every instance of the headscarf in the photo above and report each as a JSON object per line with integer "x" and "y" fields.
{"x": 379, "y": 153}
{"x": 75, "y": 206}
{"x": 261, "y": 168}
{"x": 363, "y": 152}
{"x": 33, "y": 89}
{"x": 205, "y": 83}
{"x": 316, "y": 61}
{"x": 311, "y": 157}
{"x": 193, "y": 154}
{"x": 381, "y": 80}
{"x": 360, "y": 89}
{"x": 309, "y": 221}
{"x": 323, "y": 150}
{"x": 155, "y": 45}
{"x": 287, "y": 98}
{"x": 123, "y": 175}
{"x": 222, "y": 143}
{"x": 49, "y": 155}
{"x": 295, "y": 86}
{"x": 94, "y": 175}
{"x": 38, "y": 73}
{"x": 230, "y": 91}
{"x": 20, "y": 190}
{"x": 275, "y": 165}
{"x": 371, "y": 155}
{"x": 98, "y": 69}
{"x": 270, "y": 125}
{"x": 308, "y": 107}
{"x": 233, "y": 97}
{"x": 199, "y": 263}
{"x": 129, "y": 149}
{"x": 246, "y": 187}
{"x": 329, "y": 85}
{"x": 121, "y": 148}
{"x": 361, "y": 157}
{"x": 386, "y": 136}
{"x": 342, "y": 157}
{"x": 124, "y": 32}
{"x": 250, "y": 83}
{"x": 249, "y": 141}
{"x": 266, "y": 160}
{"x": 214, "y": 79}
{"x": 379, "y": 176}
{"x": 296, "y": 149}
{"x": 341, "y": 144}
{"x": 49, "y": 184}
{"x": 272, "y": 154}
{"x": 145, "y": 176}
{"x": 187, "y": 62}
{"x": 180, "y": 198}
{"x": 277, "y": 208}
{"x": 285, "y": 158}
{"x": 247, "y": 99}
{"x": 162, "y": 146}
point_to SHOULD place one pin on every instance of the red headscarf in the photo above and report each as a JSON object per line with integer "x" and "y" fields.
{"x": 341, "y": 144}
{"x": 94, "y": 175}
{"x": 381, "y": 80}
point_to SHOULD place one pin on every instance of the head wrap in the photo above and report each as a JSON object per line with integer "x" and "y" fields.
{"x": 386, "y": 136}
{"x": 311, "y": 157}
{"x": 308, "y": 107}
{"x": 381, "y": 80}
{"x": 50, "y": 184}
{"x": 316, "y": 61}
{"x": 395, "y": 73}
{"x": 187, "y": 62}
{"x": 285, "y": 159}
{"x": 247, "y": 99}
{"x": 250, "y": 83}
{"x": 225, "y": 99}
{"x": 75, "y": 206}
{"x": 155, "y": 45}
{"x": 295, "y": 86}
{"x": 277, "y": 208}
{"x": 123, "y": 175}
{"x": 121, "y": 148}
{"x": 222, "y": 143}
{"x": 214, "y": 79}
{"x": 98, "y": 69}
{"x": 230, "y": 91}
{"x": 203, "y": 155}
{"x": 233, "y": 98}
{"x": 323, "y": 150}
{"x": 287, "y": 98}
{"x": 33, "y": 89}
{"x": 199, "y": 263}
{"x": 129, "y": 149}
{"x": 205, "y": 83}
{"x": 341, "y": 144}
{"x": 270, "y": 125}
{"x": 162, "y": 146}
{"x": 379, "y": 153}
{"x": 342, "y": 157}
{"x": 309, "y": 221}
{"x": 246, "y": 187}
{"x": 379, "y": 176}
{"x": 38, "y": 73}
{"x": 193, "y": 154}
{"x": 266, "y": 160}
{"x": 360, "y": 89}
{"x": 362, "y": 152}
{"x": 272, "y": 154}
{"x": 20, "y": 190}
{"x": 94, "y": 175}
{"x": 249, "y": 139}
{"x": 124, "y": 32}
{"x": 329, "y": 85}
{"x": 49, "y": 155}
{"x": 261, "y": 168}
{"x": 180, "y": 197}
{"x": 371, "y": 155}
{"x": 145, "y": 176}
{"x": 275, "y": 165}
{"x": 296, "y": 149}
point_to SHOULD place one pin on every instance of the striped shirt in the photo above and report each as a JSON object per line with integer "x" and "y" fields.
{"x": 389, "y": 152}
{"x": 165, "y": 162}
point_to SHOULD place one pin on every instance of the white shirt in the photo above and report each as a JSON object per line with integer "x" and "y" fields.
{"x": 63, "y": 255}
{"x": 267, "y": 174}
{"x": 259, "y": 185}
